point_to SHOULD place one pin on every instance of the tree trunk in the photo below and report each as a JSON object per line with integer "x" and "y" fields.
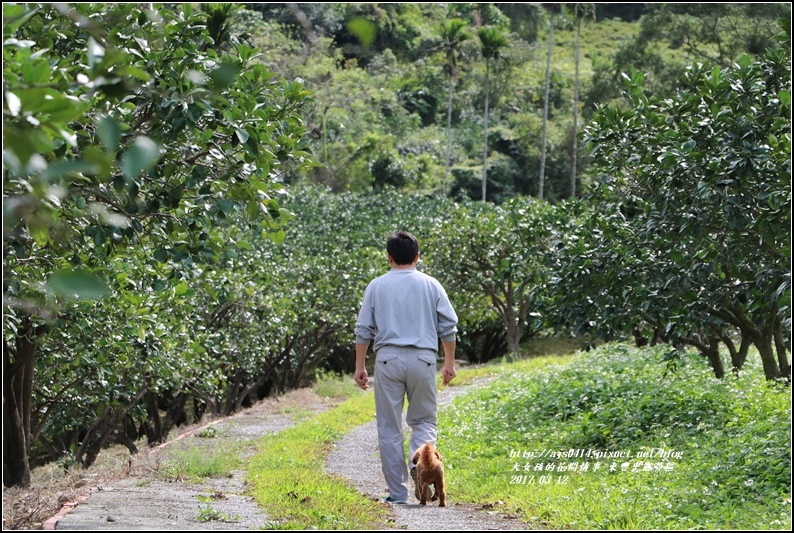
{"x": 102, "y": 429}
{"x": 449, "y": 134}
{"x": 92, "y": 451}
{"x": 639, "y": 339}
{"x": 712, "y": 352}
{"x": 126, "y": 441}
{"x": 761, "y": 336}
{"x": 515, "y": 330}
{"x": 88, "y": 440}
{"x": 780, "y": 347}
{"x": 738, "y": 357}
{"x": 325, "y": 137}
{"x": 153, "y": 427}
{"x": 16, "y": 468}
{"x": 575, "y": 109}
{"x": 513, "y": 341}
{"x": 18, "y": 403}
{"x": 175, "y": 414}
{"x": 542, "y": 176}
{"x": 485, "y": 144}
{"x": 235, "y": 387}
{"x": 764, "y": 344}
{"x": 710, "y": 349}
{"x": 200, "y": 406}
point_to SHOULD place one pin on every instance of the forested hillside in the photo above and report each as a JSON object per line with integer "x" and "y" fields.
{"x": 400, "y": 90}
{"x": 195, "y": 196}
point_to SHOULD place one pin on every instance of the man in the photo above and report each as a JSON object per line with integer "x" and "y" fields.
{"x": 405, "y": 312}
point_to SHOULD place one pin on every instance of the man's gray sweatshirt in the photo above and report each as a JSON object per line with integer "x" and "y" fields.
{"x": 407, "y": 308}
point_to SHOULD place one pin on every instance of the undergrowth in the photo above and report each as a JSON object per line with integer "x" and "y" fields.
{"x": 610, "y": 441}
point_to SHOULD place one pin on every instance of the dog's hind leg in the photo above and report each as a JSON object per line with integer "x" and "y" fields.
{"x": 441, "y": 492}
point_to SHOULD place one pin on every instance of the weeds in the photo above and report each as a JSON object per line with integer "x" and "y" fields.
{"x": 193, "y": 463}
{"x": 21, "y": 514}
{"x": 209, "y": 432}
{"x": 208, "y": 514}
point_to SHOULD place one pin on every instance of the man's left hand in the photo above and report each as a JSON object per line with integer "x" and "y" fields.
{"x": 361, "y": 378}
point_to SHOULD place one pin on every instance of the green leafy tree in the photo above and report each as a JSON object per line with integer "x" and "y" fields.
{"x": 526, "y": 19}
{"x": 124, "y": 136}
{"x": 718, "y": 33}
{"x": 498, "y": 255}
{"x": 703, "y": 189}
{"x": 673, "y": 36}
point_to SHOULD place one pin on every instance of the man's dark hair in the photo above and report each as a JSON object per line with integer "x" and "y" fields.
{"x": 402, "y": 247}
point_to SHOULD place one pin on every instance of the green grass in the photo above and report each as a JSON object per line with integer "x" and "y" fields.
{"x": 287, "y": 475}
{"x": 724, "y": 464}
{"x": 721, "y": 448}
{"x": 333, "y": 385}
{"x": 297, "y": 415}
{"x": 195, "y": 462}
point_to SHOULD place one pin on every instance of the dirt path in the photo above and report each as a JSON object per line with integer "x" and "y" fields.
{"x": 142, "y": 500}
{"x": 356, "y": 458}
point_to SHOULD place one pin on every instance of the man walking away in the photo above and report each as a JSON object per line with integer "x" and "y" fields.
{"x": 404, "y": 313}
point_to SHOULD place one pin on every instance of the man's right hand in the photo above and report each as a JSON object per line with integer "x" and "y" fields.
{"x": 448, "y": 374}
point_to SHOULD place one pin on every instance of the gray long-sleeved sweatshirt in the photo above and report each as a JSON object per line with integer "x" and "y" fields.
{"x": 406, "y": 307}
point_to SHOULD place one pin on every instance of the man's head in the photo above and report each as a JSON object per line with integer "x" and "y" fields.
{"x": 402, "y": 247}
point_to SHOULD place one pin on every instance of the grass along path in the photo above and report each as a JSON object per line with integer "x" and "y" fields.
{"x": 727, "y": 466}
{"x": 289, "y": 479}
{"x": 201, "y": 478}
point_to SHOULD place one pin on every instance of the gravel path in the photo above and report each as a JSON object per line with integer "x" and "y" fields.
{"x": 143, "y": 501}
{"x": 356, "y": 459}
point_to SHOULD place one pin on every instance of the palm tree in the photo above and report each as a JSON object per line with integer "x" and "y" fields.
{"x": 454, "y": 33}
{"x": 219, "y": 19}
{"x": 553, "y": 9}
{"x": 492, "y": 40}
{"x": 580, "y": 12}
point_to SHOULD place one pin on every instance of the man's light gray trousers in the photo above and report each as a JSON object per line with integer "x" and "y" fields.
{"x": 401, "y": 372}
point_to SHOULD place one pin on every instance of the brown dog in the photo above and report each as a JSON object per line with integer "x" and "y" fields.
{"x": 430, "y": 471}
